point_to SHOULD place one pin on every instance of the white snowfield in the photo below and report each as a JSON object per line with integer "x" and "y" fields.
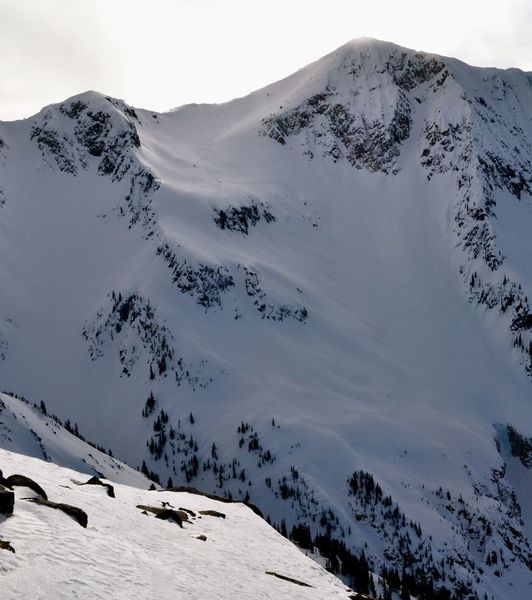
{"x": 125, "y": 555}
{"x": 327, "y": 277}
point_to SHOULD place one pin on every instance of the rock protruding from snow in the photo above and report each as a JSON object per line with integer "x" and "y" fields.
{"x": 7, "y": 501}
{"x": 58, "y": 559}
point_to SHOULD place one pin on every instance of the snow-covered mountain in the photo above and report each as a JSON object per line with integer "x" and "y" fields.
{"x": 314, "y": 297}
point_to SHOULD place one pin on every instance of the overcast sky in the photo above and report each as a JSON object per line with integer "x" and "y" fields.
{"x": 159, "y": 54}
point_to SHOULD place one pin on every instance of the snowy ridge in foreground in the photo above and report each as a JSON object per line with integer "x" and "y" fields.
{"x": 125, "y": 554}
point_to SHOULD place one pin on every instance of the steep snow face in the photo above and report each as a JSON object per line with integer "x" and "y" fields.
{"x": 28, "y": 430}
{"x": 294, "y": 297}
{"x": 125, "y": 552}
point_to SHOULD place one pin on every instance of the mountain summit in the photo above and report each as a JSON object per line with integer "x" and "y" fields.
{"x": 314, "y": 298}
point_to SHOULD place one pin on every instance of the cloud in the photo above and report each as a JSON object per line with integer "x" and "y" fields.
{"x": 163, "y": 53}
{"x": 49, "y": 51}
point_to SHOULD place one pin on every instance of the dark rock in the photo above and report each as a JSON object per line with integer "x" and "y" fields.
{"x": 190, "y": 512}
{"x": 205, "y": 283}
{"x": 268, "y": 310}
{"x": 74, "y": 109}
{"x": 193, "y": 490}
{"x": 76, "y": 513}
{"x": 139, "y": 198}
{"x": 212, "y": 513}
{"x": 7, "y": 501}
{"x": 5, "y": 545}
{"x": 522, "y": 322}
{"x": 201, "y": 537}
{"x": 166, "y": 514}
{"x": 51, "y": 142}
{"x": 372, "y": 145}
{"x": 95, "y": 481}
{"x": 137, "y": 315}
{"x": 285, "y": 578}
{"x": 520, "y": 446}
{"x": 241, "y": 218}
{"x": 254, "y": 508}
{"x": 23, "y": 481}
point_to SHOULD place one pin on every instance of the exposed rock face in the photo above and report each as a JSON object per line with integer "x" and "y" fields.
{"x": 268, "y": 309}
{"x": 334, "y": 126}
{"x": 131, "y": 322}
{"x": 205, "y": 283}
{"x": 244, "y": 217}
{"x": 339, "y": 125}
{"x": 101, "y": 133}
{"x": 107, "y": 134}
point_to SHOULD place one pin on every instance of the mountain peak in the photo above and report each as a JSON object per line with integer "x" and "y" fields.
{"x": 374, "y": 51}
{"x": 372, "y": 44}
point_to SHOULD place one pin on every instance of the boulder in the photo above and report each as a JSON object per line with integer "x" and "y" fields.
{"x": 95, "y": 481}
{"x": 23, "y": 481}
{"x": 188, "y": 511}
{"x": 212, "y": 513}
{"x": 76, "y": 513}
{"x": 7, "y": 501}
{"x": 5, "y": 545}
{"x": 166, "y": 514}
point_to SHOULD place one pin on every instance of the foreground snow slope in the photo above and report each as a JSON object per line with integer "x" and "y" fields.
{"x": 269, "y": 296}
{"x": 125, "y": 554}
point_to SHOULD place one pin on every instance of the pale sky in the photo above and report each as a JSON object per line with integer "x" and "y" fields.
{"x": 159, "y": 54}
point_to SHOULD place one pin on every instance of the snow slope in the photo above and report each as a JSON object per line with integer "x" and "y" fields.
{"x": 265, "y": 297}
{"x": 123, "y": 553}
{"x": 26, "y": 430}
